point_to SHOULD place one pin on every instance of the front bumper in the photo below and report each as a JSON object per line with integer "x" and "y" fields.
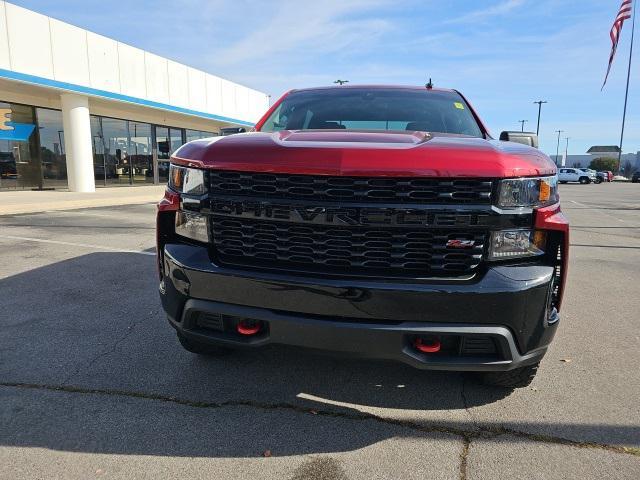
{"x": 380, "y": 319}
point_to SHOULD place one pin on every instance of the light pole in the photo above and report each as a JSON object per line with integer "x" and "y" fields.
{"x": 539, "y": 102}
{"x": 566, "y": 150}
{"x": 341, "y": 82}
{"x": 522, "y": 122}
{"x": 558, "y": 146}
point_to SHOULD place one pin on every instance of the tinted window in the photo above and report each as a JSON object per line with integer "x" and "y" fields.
{"x": 374, "y": 109}
{"x": 52, "y": 154}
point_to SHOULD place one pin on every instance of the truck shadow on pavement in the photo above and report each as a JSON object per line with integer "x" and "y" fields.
{"x": 89, "y": 363}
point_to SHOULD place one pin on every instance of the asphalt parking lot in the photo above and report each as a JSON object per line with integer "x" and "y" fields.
{"x": 93, "y": 383}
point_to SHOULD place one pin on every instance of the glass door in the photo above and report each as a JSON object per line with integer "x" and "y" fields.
{"x": 20, "y": 166}
{"x": 52, "y": 154}
{"x": 117, "y": 167}
{"x": 168, "y": 140}
{"x": 141, "y": 156}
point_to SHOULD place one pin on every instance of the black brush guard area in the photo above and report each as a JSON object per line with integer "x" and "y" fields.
{"x": 369, "y": 250}
{"x": 352, "y": 250}
{"x": 354, "y": 189}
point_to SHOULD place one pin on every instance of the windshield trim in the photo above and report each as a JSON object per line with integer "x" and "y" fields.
{"x": 484, "y": 132}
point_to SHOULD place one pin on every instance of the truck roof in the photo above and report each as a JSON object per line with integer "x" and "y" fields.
{"x": 374, "y": 87}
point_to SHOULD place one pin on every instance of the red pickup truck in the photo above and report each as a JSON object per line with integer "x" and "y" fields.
{"x": 381, "y": 221}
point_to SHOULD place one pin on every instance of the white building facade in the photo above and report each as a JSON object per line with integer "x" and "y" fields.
{"x": 79, "y": 110}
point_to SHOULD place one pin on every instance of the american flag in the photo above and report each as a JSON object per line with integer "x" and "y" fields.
{"x": 623, "y": 14}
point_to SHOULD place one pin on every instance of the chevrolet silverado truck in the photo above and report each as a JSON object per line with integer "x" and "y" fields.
{"x": 380, "y": 221}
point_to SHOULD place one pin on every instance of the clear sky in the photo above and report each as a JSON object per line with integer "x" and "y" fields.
{"x": 502, "y": 54}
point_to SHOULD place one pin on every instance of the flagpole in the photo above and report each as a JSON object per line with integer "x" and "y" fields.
{"x": 626, "y": 94}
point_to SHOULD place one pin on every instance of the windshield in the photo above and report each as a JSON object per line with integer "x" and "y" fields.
{"x": 374, "y": 109}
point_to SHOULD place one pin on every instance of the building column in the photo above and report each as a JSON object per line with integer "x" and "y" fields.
{"x": 77, "y": 142}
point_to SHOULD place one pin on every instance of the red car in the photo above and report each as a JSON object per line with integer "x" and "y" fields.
{"x": 372, "y": 220}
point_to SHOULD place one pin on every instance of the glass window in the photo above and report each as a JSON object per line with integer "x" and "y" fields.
{"x": 98, "y": 151}
{"x": 111, "y": 149}
{"x": 19, "y": 157}
{"x": 168, "y": 140}
{"x": 374, "y": 109}
{"x": 141, "y": 156}
{"x": 198, "y": 134}
{"x": 175, "y": 134}
{"x": 52, "y": 154}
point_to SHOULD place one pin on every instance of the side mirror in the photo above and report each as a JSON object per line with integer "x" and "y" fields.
{"x": 526, "y": 138}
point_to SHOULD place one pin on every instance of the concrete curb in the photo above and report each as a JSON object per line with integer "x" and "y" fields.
{"x": 25, "y": 202}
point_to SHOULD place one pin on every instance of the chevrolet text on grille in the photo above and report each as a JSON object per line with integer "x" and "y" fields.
{"x": 345, "y": 215}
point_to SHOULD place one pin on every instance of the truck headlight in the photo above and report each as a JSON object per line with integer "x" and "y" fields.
{"x": 507, "y": 244}
{"x": 528, "y": 192}
{"x": 192, "y": 225}
{"x": 187, "y": 180}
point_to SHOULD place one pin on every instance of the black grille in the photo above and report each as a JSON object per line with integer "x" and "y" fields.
{"x": 477, "y": 345}
{"x": 347, "y": 250}
{"x": 351, "y": 189}
{"x": 210, "y": 321}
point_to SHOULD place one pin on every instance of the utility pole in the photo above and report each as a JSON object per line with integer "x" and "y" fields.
{"x": 341, "y": 82}
{"x": 539, "y": 102}
{"x": 522, "y": 122}
{"x": 566, "y": 151}
{"x": 558, "y": 147}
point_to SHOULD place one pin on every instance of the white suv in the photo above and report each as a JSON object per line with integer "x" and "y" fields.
{"x": 573, "y": 175}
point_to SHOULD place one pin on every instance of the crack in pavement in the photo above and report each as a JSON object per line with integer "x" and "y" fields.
{"x": 466, "y": 443}
{"x": 465, "y": 403}
{"x": 484, "y": 431}
{"x": 109, "y": 351}
{"x": 466, "y": 439}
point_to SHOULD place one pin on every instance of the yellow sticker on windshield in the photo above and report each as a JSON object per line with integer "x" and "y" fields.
{"x": 459, "y": 105}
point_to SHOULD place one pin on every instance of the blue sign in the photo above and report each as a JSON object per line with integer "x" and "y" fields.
{"x": 19, "y": 133}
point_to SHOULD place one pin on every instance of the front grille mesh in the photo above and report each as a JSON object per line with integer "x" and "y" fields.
{"x": 349, "y": 250}
{"x": 477, "y": 345}
{"x": 351, "y": 189}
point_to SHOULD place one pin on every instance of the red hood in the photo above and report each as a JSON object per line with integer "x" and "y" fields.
{"x": 366, "y": 153}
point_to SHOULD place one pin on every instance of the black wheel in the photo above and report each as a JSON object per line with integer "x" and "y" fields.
{"x": 200, "y": 348}
{"x": 517, "y": 378}
{"x": 584, "y": 180}
{"x": 598, "y": 180}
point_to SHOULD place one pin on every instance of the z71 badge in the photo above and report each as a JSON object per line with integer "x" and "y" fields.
{"x": 460, "y": 243}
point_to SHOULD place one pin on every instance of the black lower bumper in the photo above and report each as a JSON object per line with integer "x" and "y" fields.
{"x": 506, "y": 307}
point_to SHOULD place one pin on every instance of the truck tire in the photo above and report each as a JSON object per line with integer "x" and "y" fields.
{"x": 517, "y": 378}
{"x": 200, "y": 348}
{"x": 598, "y": 180}
{"x": 584, "y": 180}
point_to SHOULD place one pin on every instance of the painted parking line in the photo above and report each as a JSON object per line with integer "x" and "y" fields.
{"x": 73, "y": 244}
{"x": 598, "y": 210}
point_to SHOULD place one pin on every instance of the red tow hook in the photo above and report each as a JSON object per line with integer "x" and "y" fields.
{"x": 248, "y": 327}
{"x": 431, "y": 346}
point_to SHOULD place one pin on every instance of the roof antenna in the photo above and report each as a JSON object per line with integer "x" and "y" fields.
{"x": 429, "y": 85}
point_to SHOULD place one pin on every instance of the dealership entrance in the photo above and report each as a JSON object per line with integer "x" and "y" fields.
{"x": 30, "y": 157}
{"x": 125, "y": 152}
